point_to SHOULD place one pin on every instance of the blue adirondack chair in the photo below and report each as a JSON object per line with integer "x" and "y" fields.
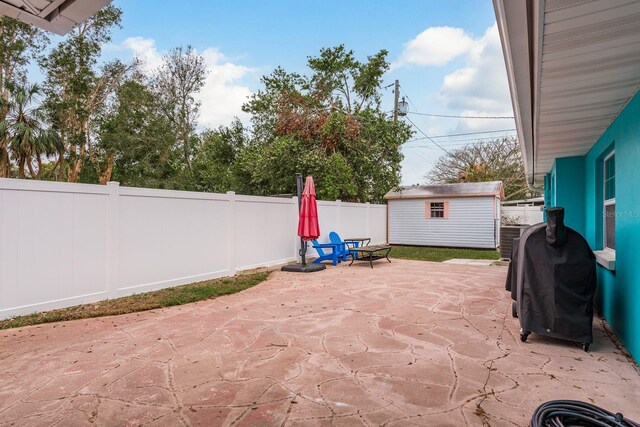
{"x": 335, "y": 239}
{"x": 335, "y": 256}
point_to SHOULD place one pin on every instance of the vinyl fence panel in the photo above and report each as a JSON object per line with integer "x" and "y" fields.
{"x": 53, "y": 250}
{"x": 64, "y": 244}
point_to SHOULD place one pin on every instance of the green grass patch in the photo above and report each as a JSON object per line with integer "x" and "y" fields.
{"x": 422, "y": 253}
{"x": 167, "y": 297}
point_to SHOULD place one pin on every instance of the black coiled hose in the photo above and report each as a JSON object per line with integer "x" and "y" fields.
{"x": 561, "y": 413}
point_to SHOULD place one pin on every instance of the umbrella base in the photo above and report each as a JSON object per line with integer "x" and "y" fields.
{"x": 303, "y": 268}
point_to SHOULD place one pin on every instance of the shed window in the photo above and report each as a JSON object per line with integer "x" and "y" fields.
{"x": 609, "y": 205}
{"x": 437, "y": 210}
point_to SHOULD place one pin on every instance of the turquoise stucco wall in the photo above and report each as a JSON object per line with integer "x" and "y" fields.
{"x": 567, "y": 180}
{"x": 575, "y": 183}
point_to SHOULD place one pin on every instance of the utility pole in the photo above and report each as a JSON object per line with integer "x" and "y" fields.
{"x": 396, "y": 98}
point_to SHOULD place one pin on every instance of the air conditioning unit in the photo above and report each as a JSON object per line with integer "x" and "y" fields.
{"x": 507, "y": 234}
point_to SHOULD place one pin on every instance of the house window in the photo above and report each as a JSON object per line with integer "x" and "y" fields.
{"x": 609, "y": 205}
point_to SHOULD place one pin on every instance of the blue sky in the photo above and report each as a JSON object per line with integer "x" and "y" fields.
{"x": 446, "y": 55}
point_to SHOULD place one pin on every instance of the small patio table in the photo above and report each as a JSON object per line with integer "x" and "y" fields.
{"x": 370, "y": 253}
{"x": 356, "y": 242}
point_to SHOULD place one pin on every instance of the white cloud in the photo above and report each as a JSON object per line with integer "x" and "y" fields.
{"x": 435, "y": 46}
{"x": 480, "y": 88}
{"x": 145, "y": 50}
{"x": 223, "y": 92}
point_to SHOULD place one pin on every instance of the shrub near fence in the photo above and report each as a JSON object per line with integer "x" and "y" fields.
{"x": 64, "y": 244}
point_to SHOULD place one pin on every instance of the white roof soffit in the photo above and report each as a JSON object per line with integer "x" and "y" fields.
{"x": 57, "y": 16}
{"x": 572, "y": 66}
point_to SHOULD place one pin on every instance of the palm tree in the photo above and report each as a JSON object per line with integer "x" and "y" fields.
{"x": 28, "y": 137}
{"x": 5, "y": 161}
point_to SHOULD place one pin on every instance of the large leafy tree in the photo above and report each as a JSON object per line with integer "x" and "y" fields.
{"x": 18, "y": 43}
{"x": 328, "y": 124}
{"x": 176, "y": 83}
{"x": 77, "y": 91}
{"x": 135, "y": 139}
{"x": 216, "y": 165}
{"x": 110, "y": 121}
{"x": 497, "y": 160}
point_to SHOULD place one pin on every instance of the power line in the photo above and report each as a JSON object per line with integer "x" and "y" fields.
{"x": 450, "y": 146}
{"x": 425, "y": 147}
{"x": 473, "y": 133}
{"x": 458, "y": 117}
{"x": 468, "y": 133}
{"x": 428, "y": 137}
{"x": 464, "y": 140}
{"x": 421, "y": 155}
{"x": 408, "y": 163}
{"x": 450, "y": 115}
{"x": 425, "y": 122}
{"x": 424, "y": 133}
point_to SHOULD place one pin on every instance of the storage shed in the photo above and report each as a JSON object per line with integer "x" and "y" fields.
{"x": 463, "y": 215}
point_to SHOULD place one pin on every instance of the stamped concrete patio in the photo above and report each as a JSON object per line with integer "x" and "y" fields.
{"x": 407, "y": 343}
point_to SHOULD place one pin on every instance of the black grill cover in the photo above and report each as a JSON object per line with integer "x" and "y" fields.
{"x": 555, "y": 280}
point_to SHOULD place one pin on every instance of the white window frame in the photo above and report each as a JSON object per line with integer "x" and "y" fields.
{"x": 606, "y": 202}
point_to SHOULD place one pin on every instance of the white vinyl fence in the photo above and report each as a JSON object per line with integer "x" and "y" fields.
{"x": 64, "y": 244}
{"x": 521, "y": 215}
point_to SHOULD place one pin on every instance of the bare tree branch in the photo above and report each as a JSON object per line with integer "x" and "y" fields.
{"x": 497, "y": 160}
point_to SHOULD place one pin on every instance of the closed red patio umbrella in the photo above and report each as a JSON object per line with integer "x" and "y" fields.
{"x": 308, "y": 227}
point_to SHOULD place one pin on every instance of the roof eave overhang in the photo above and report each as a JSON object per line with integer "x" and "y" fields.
{"x": 520, "y": 49}
{"x": 572, "y": 67}
{"x": 59, "y": 17}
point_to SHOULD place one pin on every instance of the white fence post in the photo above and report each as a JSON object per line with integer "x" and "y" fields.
{"x": 231, "y": 233}
{"x": 113, "y": 238}
{"x": 296, "y": 239}
{"x": 367, "y": 207}
{"x": 339, "y": 216}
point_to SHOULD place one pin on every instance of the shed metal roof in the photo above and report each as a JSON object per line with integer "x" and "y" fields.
{"x": 466, "y": 189}
{"x": 57, "y": 16}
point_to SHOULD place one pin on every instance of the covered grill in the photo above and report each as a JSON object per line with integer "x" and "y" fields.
{"x": 552, "y": 278}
